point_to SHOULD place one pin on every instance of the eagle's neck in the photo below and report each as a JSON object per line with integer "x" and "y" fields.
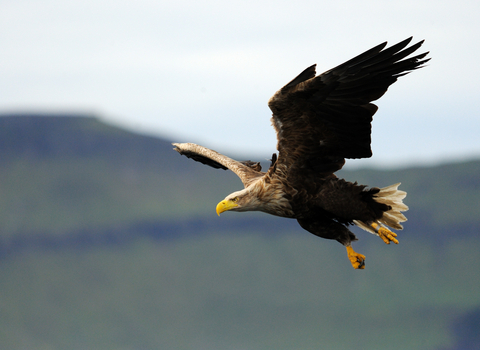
{"x": 268, "y": 195}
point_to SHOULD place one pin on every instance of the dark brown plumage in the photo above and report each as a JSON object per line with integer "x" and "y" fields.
{"x": 320, "y": 121}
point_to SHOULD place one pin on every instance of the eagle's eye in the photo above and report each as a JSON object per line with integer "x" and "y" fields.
{"x": 234, "y": 200}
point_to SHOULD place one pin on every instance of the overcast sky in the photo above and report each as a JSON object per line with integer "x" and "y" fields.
{"x": 203, "y": 71}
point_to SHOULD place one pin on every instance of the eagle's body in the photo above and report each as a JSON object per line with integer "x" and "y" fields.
{"x": 320, "y": 121}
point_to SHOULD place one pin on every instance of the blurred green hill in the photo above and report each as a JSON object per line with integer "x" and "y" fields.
{"x": 109, "y": 240}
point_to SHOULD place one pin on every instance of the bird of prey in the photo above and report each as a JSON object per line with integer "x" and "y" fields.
{"x": 320, "y": 120}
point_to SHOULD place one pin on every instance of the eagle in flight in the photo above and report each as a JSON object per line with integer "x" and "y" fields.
{"x": 320, "y": 120}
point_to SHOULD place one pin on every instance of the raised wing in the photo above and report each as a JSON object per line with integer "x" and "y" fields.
{"x": 322, "y": 120}
{"x": 247, "y": 171}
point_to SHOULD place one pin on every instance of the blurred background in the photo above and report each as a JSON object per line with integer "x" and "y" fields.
{"x": 109, "y": 239}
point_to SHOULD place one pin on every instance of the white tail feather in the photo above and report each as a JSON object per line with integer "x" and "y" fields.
{"x": 392, "y": 197}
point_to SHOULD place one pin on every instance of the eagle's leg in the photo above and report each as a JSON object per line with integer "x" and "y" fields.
{"x": 357, "y": 260}
{"x": 329, "y": 229}
{"x": 384, "y": 233}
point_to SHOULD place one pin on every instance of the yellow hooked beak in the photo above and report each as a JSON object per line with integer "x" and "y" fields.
{"x": 225, "y": 205}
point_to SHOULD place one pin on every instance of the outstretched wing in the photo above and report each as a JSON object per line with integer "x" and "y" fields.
{"x": 247, "y": 171}
{"x": 322, "y": 120}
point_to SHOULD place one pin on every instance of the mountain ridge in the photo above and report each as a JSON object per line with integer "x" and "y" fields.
{"x": 109, "y": 239}
{"x": 70, "y": 173}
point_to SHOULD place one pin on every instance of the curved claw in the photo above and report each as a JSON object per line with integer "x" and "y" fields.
{"x": 385, "y": 234}
{"x": 357, "y": 260}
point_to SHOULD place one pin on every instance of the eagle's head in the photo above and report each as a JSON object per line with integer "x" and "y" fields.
{"x": 243, "y": 200}
{"x": 259, "y": 196}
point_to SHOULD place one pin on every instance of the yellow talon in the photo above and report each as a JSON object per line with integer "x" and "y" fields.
{"x": 385, "y": 234}
{"x": 357, "y": 260}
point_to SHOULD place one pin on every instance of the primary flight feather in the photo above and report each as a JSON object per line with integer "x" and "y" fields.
{"x": 320, "y": 121}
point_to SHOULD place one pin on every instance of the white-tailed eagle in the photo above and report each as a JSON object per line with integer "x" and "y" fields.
{"x": 321, "y": 120}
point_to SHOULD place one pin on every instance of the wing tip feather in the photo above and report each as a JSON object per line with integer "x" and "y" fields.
{"x": 307, "y": 73}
